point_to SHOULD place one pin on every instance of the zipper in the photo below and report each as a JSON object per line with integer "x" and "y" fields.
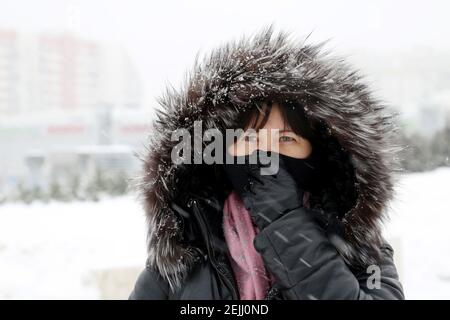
{"x": 224, "y": 275}
{"x": 226, "y": 272}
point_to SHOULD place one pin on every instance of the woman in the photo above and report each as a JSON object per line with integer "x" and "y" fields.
{"x": 311, "y": 230}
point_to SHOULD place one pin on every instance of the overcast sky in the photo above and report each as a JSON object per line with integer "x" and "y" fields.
{"x": 163, "y": 37}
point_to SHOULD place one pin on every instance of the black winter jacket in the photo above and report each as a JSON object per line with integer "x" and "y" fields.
{"x": 345, "y": 257}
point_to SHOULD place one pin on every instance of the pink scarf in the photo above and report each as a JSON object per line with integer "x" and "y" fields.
{"x": 252, "y": 278}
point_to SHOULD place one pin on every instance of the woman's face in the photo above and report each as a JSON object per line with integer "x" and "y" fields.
{"x": 276, "y": 135}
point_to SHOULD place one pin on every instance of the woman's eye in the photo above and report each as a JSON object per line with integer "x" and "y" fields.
{"x": 286, "y": 139}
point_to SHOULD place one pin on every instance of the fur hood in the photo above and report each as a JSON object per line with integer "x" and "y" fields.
{"x": 227, "y": 80}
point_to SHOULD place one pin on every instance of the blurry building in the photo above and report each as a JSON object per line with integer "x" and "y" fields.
{"x": 36, "y": 149}
{"x": 49, "y": 72}
{"x": 415, "y": 81}
{"x": 66, "y": 104}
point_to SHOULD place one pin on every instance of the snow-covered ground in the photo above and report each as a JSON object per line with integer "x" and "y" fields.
{"x": 58, "y": 250}
{"x": 420, "y": 221}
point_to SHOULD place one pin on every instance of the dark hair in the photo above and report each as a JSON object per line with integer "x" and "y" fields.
{"x": 293, "y": 114}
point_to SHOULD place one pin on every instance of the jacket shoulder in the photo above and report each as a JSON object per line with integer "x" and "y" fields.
{"x": 390, "y": 286}
{"x": 150, "y": 286}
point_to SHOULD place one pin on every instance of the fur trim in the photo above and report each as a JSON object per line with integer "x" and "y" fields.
{"x": 224, "y": 84}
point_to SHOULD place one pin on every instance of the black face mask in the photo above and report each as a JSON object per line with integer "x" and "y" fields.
{"x": 309, "y": 173}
